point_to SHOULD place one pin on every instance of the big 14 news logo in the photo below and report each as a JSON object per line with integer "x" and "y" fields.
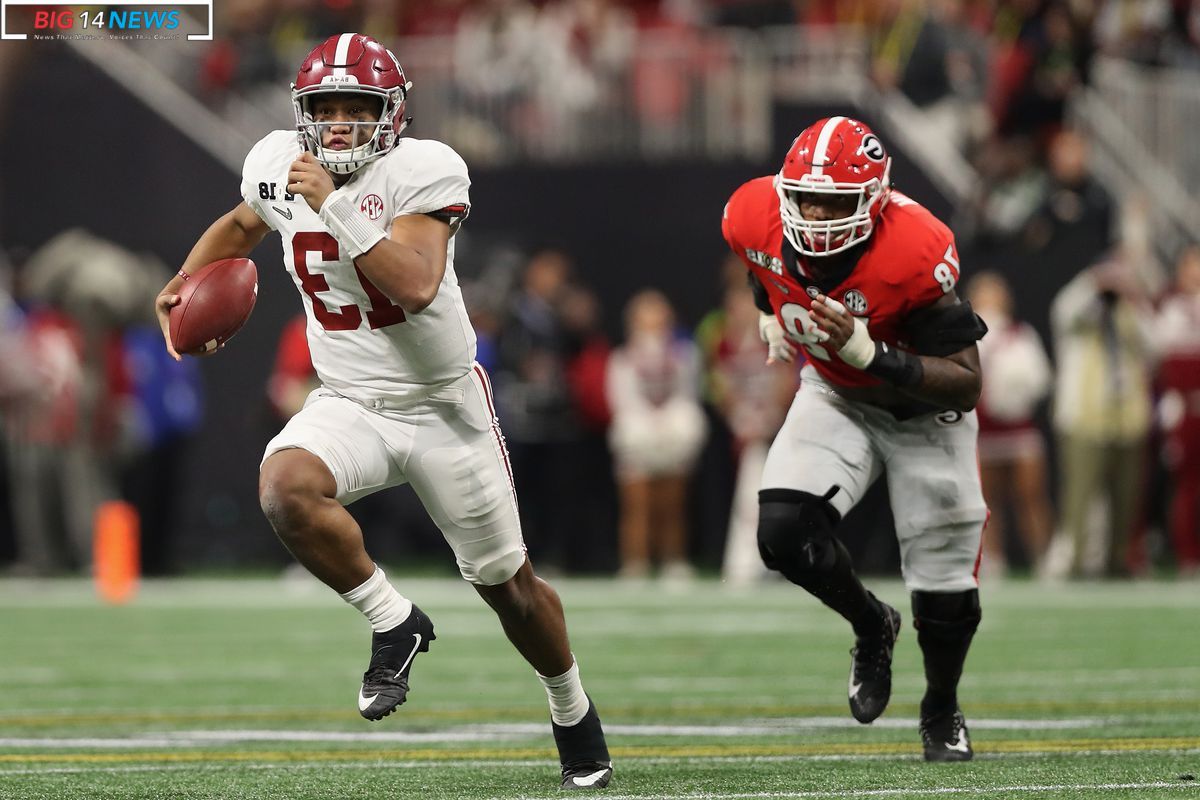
{"x": 130, "y": 20}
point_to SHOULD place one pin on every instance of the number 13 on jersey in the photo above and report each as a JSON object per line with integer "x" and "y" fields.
{"x": 383, "y": 311}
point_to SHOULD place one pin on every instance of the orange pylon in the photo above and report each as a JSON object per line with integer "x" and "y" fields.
{"x": 116, "y": 551}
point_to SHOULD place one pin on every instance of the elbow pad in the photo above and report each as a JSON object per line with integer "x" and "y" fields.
{"x": 944, "y": 331}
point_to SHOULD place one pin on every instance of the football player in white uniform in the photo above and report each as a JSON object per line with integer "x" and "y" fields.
{"x": 367, "y": 221}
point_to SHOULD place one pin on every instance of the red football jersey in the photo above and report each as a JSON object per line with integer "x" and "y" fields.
{"x": 908, "y": 263}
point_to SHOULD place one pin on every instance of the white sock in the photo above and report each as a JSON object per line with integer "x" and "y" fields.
{"x": 568, "y": 703}
{"x": 379, "y": 602}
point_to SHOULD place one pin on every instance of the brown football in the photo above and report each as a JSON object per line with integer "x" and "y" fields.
{"x": 213, "y": 305}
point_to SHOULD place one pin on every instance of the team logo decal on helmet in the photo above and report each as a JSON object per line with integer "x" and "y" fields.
{"x": 872, "y": 148}
{"x": 835, "y": 156}
{"x": 351, "y": 63}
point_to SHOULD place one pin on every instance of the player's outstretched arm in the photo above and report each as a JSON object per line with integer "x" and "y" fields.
{"x": 233, "y": 235}
{"x": 952, "y": 381}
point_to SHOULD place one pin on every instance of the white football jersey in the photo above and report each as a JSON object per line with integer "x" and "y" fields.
{"x": 363, "y": 345}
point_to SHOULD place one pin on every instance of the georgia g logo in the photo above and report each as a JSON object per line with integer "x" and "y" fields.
{"x": 872, "y": 148}
{"x": 372, "y": 206}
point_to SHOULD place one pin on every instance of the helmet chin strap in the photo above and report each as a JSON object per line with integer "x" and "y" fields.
{"x": 345, "y": 162}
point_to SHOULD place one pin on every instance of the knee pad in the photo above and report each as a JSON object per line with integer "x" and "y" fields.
{"x": 949, "y": 617}
{"x": 795, "y": 532}
{"x": 499, "y": 569}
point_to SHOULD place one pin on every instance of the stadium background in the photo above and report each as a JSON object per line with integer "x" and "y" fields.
{"x": 140, "y": 144}
{"x": 232, "y": 677}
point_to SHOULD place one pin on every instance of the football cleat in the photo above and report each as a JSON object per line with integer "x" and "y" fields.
{"x": 583, "y": 752}
{"x": 871, "y": 668}
{"x": 945, "y": 737}
{"x": 385, "y": 683}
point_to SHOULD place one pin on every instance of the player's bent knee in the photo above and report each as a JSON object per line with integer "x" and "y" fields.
{"x": 946, "y": 616}
{"x": 496, "y": 570}
{"x": 290, "y": 483}
{"x": 796, "y": 532}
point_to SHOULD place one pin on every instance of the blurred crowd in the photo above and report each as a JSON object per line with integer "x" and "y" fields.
{"x": 1018, "y": 58}
{"x": 611, "y": 438}
{"x": 538, "y": 76}
{"x": 92, "y": 409}
{"x": 1090, "y": 415}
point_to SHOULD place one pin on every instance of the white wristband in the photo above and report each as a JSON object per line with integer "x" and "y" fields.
{"x": 348, "y": 225}
{"x": 859, "y": 349}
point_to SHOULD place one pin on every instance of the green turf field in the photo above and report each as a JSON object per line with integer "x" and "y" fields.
{"x": 246, "y": 689}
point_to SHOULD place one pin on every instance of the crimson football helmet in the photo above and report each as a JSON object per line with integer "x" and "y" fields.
{"x": 351, "y": 63}
{"x": 834, "y": 156}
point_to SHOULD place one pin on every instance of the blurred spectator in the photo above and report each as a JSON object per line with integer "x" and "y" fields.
{"x": 1035, "y": 74}
{"x": 593, "y": 492}
{"x": 55, "y": 482}
{"x": 585, "y": 48}
{"x": 1011, "y": 188}
{"x": 671, "y": 57}
{"x": 1077, "y": 213}
{"x": 1103, "y": 343}
{"x": 20, "y": 378}
{"x": 1012, "y": 452}
{"x": 64, "y": 453}
{"x": 496, "y": 59}
{"x": 657, "y": 431}
{"x": 753, "y": 400}
{"x": 929, "y": 52}
{"x": 1178, "y": 332}
{"x": 166, "y": 404}
{"x": 22, "y": 384}
{"x": 536, "y": 406}
{"x": 243, "y": 56}
{"x": 1072, "y": 228}
{"x": 1132, "y": 29}
{"x": 293, "y": 377}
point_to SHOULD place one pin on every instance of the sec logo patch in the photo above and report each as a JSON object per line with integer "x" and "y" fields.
{"x": 372, "y": 206}
{"x": 855, "y": 301}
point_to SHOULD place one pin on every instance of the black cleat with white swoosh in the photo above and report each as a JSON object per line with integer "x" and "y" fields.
{"x": 583, "y": 753}
{"x": 945, "y": 737}
{"x": 385, "y": 683}
{"x": 871, "y": 668}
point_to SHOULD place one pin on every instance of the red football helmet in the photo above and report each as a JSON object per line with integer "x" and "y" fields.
{"x": 354, "y": 63}
{"x": 838, "y": 156}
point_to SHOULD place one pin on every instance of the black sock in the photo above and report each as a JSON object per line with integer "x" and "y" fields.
{"x": 945, "y": 623}
{"x": 840, "y": 589}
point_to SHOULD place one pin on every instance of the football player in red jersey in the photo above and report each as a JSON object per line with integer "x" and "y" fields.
{"x": 862, "y": 278}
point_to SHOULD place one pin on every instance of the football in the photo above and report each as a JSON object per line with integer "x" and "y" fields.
{"x": 213, "y": 305}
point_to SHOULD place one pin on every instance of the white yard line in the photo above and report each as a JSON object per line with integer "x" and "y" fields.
{"x": 548, "y": 762}
{"x": 540, "y": 764}
{"x": 930, "y": 792}
{"x": 490, "y": 732}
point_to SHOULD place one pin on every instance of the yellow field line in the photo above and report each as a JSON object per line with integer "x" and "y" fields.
{"x": 525, "y": 713}
{"x": 1048, "y": 746}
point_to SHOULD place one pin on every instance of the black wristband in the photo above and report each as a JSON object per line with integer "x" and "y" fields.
{"x": 898, "y": 367}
